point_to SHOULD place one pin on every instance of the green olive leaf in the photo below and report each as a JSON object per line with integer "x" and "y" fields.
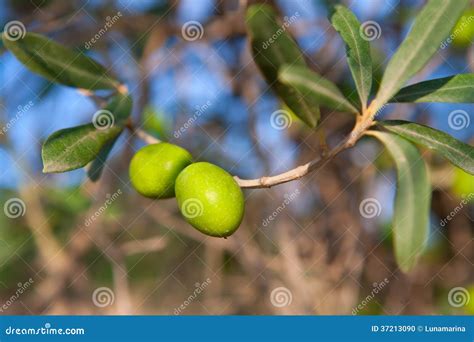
{"x": 457, "y": 152}
{"x": 412, "y": 202}
{"x": 58, "y": 63}
{"x": 357, "y": 50}
{"x": 272, "y": 47}
{"x": 433, "y": 24}
{"x": 453, "y": 89}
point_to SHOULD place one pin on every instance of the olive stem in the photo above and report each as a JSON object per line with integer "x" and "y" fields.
{"x": 363, "y": 123}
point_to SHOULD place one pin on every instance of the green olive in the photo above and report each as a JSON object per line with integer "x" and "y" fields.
{"x": 154, "y": 168}
{"x": 210, "y": 199}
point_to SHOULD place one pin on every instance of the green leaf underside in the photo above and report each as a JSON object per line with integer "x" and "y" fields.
{"x": 72, "y": 148}
{"x": 431, "y": 26}
{"x": 453, "y": 89}
{"x": 412, "y": 202}
{"x": 58, "y": 63}
{"x": 310, "y": 84}
{"x": 272, "y": 47}
{"x": 457, "y": 152}
{"x": 357, "y": 50}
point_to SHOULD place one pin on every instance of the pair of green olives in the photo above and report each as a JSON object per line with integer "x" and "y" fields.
{"x": 208, "y": 197}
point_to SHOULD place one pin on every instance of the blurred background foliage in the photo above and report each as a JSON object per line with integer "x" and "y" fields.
{"x": 319, "y": 246}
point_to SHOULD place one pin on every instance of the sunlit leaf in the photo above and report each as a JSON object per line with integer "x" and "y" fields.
{"x": 412, "y": 202}
{"x": 432, "y": 25}
{"x": 272, "y": 47}
{"x": 455, "y": 89}
{"x": 357, "y": 50}
{"x": 457, "y": 152}
{"x": 58, "y": 63}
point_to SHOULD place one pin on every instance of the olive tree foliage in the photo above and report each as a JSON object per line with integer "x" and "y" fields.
{"x": 283, "y": 66}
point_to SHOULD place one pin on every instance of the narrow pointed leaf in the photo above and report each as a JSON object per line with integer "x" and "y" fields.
{"x": 272, "y": 47}
{"x": 72, "y": 148}
{"x": 412, "y": 202}
{"x": 58, "y": 63}
{"x": 453, "y": 89}
{"x": 357, "y": 50}
{"x": 310, "y": 84}
{"x": 98, "y": 164}
{"x": 457, "y": 152}
{"x": 432, "y": 25}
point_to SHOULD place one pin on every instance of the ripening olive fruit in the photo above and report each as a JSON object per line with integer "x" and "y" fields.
{"x": 210, "y": 199}
{"x": 154, "y": 168}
